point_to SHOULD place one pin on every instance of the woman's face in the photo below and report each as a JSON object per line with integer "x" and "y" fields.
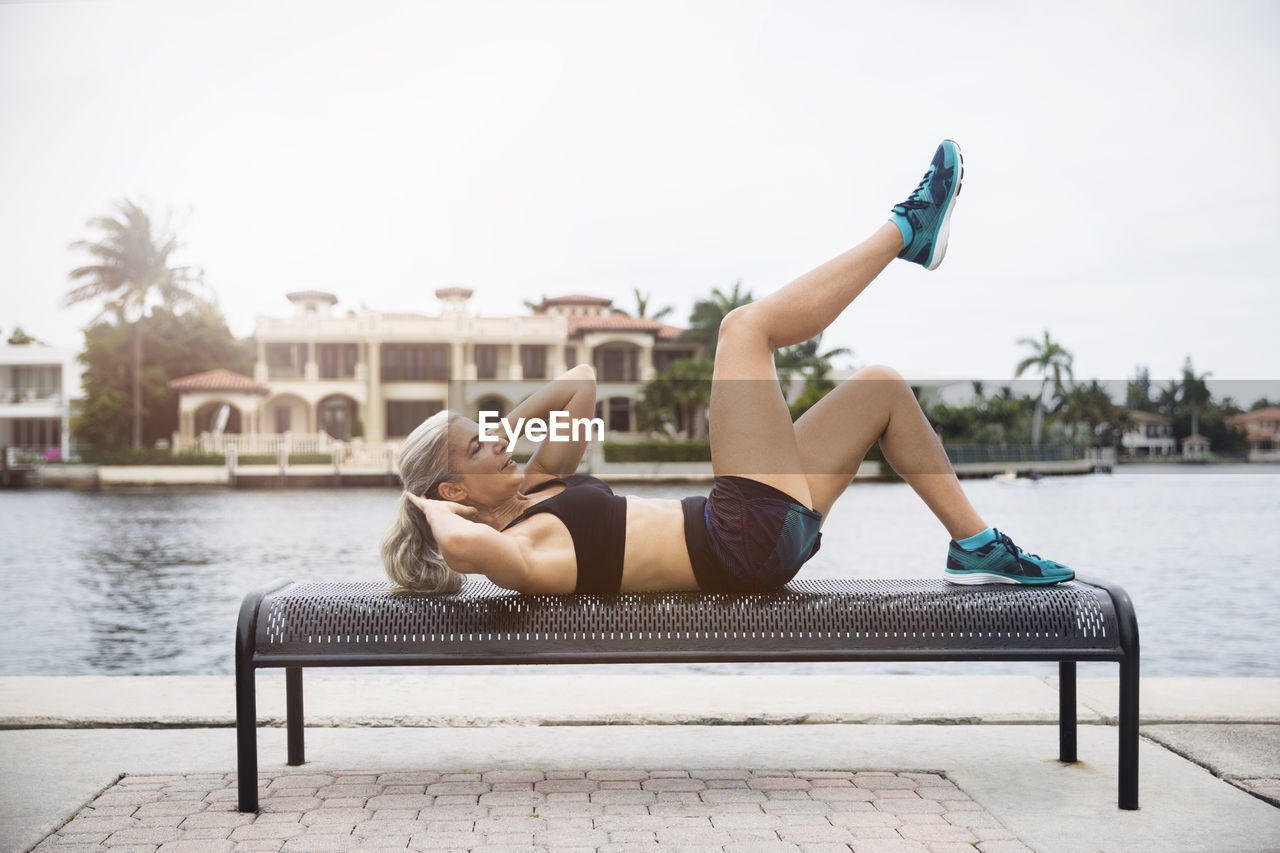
{"x": 487, "y": 472}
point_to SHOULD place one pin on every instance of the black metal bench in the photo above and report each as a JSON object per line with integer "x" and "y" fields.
{"x": 363, "y": 624}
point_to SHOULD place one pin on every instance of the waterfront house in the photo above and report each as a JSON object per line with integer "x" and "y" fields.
{"x": 1195, "y": 446}
{"x": 39, "y": 385}
{"x": 1152, "y": 436}
{"x": 1262, "y": 429}
{"x": 377, "y": 375}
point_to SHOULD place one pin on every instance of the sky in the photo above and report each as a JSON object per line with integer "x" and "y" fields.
{"x": 1122, "y": 187}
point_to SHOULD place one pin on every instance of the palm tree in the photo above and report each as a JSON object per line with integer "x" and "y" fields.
{"x": 1194, "y": 394}
{"x": 642, "y": 307}
{"x": 133, "y": 267}
{"x": 1051, "y": 361}
{"x": 805, "y": 359}
{"x": 704, "y": 322}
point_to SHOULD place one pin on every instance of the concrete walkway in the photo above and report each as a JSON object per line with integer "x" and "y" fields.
{"x": 1204, "y": 740}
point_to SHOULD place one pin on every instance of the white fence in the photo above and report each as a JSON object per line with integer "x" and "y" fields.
{"x": 259, "y": 443}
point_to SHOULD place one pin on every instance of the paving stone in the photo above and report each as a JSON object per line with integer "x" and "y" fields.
{"x": 1003, "y": 847}
{"x": 883, "y": 783}
{"x": 262, "y": 831}
{"x": 850, "y": 794}
{"x": 395, "y": 814}
{"x": 700, "y": 835}
{"x": 399, "y": 801}
{"x": 126, "y": 797}
{"x": 783, "y": 807}
{"x": 887, "y": 845}
{"x": 949, "y": 847}
{"x": 153, "y": 836}
{"x": 219, "y": 820}
{"x": 673, "y": 783}
{"x": 733, "y": 795}
{"x": 719, "y": 774}
{"x": 339, "y": 789}
{"x": 301, "y": 780}
{"x": 444, "y": 841}
{"x": 941, "y": 792}
{"x": 752, "y": 846}
{"x": 928, "y": 832}
{"x": 319, "y": 844}
{"x": 972, "y": 819}
{"x": 913, "y": 806}
{"x": 565, "y": 786}
{"x": 894, "y": 794}
{"x": 335, "y": 815}
{"x": 566, "y": 774}
{"x": 95, "y": 824}
{"x": 624, "y": 797}
{"x": 617, "y": 775}
{"x": 745, "y": 819}
{"x": 993, "y": 834}
{"x": 726, "y": 783}
{"x": 446, "y": 788}
{"x": 923, "y": 819}
{"x": 512, "y": 798}
{"x": 868, "y": 818}
{"x": 408, "y": 778}
{"x": 401, "y": 827}
{"x": 529, "y": 776}
{"x": 557, "y": 839}
{"x": 815, "y": 834}
{"x": 767, "y": 772}
{"x": 778, "y": 783}
{"x": 198, "y": 846}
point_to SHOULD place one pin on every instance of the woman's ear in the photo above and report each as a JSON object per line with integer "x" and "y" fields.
{"x": 451, "y": 492}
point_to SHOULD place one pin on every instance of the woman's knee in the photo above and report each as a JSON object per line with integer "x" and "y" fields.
{"x": 882, "y": 378}
{"x": 742, "y": 322}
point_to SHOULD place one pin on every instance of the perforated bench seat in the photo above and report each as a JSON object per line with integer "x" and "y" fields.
{"x": 293, "y": 625}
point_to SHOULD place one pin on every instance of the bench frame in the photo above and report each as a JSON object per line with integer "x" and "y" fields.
{"x": 249, "y": 660}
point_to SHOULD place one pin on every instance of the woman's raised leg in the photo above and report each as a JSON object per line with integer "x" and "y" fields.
{"x": 751, "y": 430}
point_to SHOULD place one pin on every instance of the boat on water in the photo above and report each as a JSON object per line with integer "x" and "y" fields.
{"x": 1011, "y": 478}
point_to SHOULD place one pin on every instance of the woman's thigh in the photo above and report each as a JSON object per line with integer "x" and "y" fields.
{"x": 751, "y": 430}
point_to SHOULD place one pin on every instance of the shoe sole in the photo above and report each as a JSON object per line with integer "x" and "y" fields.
{"x": 940, "y": 244}
{"x": 989, "y": 577}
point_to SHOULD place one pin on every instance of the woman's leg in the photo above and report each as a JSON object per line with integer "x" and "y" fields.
{"x": 876, "y": 404}
{"x": 751, "y": 430}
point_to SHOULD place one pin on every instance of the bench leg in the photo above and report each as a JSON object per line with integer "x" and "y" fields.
{"x": 293, "y": 714}
{"x": 1129, "y": 732}
{"x": 1067, "y": 711}
{"x": 246, "y": 737}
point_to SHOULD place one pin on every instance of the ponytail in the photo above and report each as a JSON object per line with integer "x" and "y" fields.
{"x": 410, "y": 554}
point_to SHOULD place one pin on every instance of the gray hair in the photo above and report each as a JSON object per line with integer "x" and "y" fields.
{"x": 410, "y": 554}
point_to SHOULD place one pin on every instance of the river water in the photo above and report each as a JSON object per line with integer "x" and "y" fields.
{"x": 150, "y": 582}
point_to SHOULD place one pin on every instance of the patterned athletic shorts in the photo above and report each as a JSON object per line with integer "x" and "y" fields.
{"x": 754, "y": 538}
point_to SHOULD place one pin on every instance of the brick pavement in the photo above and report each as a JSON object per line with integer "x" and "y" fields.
{"x": 504, "y": 811}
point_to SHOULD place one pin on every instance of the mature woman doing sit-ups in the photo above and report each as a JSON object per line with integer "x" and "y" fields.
{"x": 469, "y": 509}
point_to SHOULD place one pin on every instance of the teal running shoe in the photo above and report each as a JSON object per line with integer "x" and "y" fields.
{"x": 1001, "y": 561}
{"x": 925, "y": 217}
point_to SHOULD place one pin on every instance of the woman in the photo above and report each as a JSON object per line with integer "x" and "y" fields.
{"x": 468, "y": 508}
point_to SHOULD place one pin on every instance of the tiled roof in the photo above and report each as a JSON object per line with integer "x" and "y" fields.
{"x": 669, "y": 333}
{"x": 218, "y": 380}
{"x": 579, "y": 323}
{"x": 1268, "y": 413}
{"x": 1150, "y": 418}
{"x": 575, "y": 299}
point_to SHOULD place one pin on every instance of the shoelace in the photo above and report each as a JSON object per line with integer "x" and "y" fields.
{"x": 1012, "y": 548}
{"x": 914, "y": 201}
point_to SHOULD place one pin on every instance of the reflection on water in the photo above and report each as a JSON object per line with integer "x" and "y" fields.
{"x": 150, "y": 582}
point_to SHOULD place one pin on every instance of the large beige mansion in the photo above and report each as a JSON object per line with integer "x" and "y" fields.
{"x": 317, "y": 373}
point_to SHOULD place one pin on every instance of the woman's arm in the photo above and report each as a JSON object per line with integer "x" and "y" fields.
{"x": 573, "y": 392}
{"x": 473, "y": 548}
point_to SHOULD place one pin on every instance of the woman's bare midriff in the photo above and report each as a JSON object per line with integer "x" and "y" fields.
{"x": 655, "y": 556}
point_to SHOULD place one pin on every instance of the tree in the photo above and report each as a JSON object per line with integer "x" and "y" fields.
{"x": 704, "y": 321}
{"x": 677, "y": 398}
{"x": 805, "y": 359}
{"x": 1194, "y": 394}
{"x": 642, "y": 307}
{"x": 1091, "y": 406}
{"x": 20, "y": 338}
{"x": 1051, "y": 361}
{"x": 1138, "y": 392}
{"x": 177, "y": 345}
{"x": 133, "y": 267}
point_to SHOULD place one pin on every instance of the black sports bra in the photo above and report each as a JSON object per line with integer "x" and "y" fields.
{"x": 597, "y": 522}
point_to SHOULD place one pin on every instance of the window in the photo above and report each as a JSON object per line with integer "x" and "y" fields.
{"x": 620, "y": 414}
{"x": 404, "y": 416}
{"x": 336, "y": 361}
{"x": 415, "y": 362}
{"x": 486, "y": 361}
{"x": 284, "y": 361}
{"x": 571, "y": 356}
{"x": 614, "y": 364}
{"x": 283, "y": 416}
{"x": 662, "y": 358}
{"x": 533, "y": 360}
